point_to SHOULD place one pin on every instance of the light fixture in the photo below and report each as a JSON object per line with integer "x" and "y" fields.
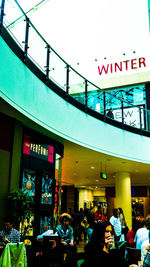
{"x": 92, "y": 167}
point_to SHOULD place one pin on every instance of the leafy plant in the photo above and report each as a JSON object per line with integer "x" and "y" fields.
{"x": 21, "y": 206}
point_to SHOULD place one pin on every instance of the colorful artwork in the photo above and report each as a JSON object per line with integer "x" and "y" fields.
{"x": 45, "y": 224}
{"x": 28, "y": 182}
{"x": 46, "y": 194}
{"x": 27, "y": 228}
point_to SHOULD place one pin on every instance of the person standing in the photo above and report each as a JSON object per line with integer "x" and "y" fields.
{"x": 124, "y": 228}
{"x": 99, "y": 216}
{"x": 116, "y": 223}
{"x": 142, "y": 234}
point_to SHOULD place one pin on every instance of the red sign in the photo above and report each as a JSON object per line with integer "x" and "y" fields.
{"x": 26, "y": 145}
{"x": 42, "y": 151}
{"x": 126, "y": 65}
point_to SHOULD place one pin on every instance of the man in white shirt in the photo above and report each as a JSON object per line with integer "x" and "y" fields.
{"x": 146, "y": 244}
{"x": 142, "y": 234}
{"x": 116, "y": 223}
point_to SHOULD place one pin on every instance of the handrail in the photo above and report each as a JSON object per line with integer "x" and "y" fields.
{"x": 84, "y": 94}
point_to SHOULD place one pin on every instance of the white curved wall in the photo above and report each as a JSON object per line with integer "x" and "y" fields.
{"x": 25, "y": 92}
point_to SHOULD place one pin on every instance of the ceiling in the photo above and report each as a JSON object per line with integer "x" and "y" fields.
{"x": 81, "y": 167}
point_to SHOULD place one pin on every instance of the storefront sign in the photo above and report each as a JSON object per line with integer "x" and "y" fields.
{"x": 131, "y": 116}
{"x": 42, "y": 151}
{"x": 125, "y": 65}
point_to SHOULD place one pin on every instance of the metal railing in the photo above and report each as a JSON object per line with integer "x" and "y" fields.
{"x": 35, "y": 47}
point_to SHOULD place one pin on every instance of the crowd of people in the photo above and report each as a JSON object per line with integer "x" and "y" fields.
{"x": 105, "y": 237}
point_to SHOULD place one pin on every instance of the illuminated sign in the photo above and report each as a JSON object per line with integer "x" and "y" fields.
{"x": 124, "y": 65}
{"x": 131, "y": 116}
{"x": 42, "y": 151}
{"x": 103, "y": 175}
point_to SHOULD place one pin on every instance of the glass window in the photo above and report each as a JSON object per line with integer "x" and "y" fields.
{"x": 46, "y": 194}
{"x": 28, "y": 182}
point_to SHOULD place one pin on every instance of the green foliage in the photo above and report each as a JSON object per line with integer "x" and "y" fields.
{"x": 21, "y": 206}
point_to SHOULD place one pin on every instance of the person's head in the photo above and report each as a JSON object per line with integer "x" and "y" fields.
{"x": 108, "y": 230}
{"x": 115, "y": 212}
{"x": 120, "y": 211}
{"x": 141, "y": 222}
{"x": 8, "y": 224}
{"x": 147, "y": 222}
{"x": 65, "y": 219}
{"x": 99, "y": 209}
{"x": 101, "y": 231}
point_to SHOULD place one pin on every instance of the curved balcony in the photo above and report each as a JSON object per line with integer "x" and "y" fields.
{"x": 59, "y": 86}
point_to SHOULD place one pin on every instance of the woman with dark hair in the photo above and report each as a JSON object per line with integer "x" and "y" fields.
{"x": 98, "y": 251}
{"x": 124, "y": 228}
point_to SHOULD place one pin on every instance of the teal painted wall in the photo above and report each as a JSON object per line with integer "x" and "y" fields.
{"x": 25, "y": 92}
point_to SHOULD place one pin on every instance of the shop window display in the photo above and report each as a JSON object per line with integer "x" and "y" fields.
{"x": 45, "y": 224}
{"x": 46, "y": 194}
{"x": 28, "y": 182}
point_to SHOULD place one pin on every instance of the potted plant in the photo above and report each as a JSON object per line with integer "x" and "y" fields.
{"x": 21, "y": 209}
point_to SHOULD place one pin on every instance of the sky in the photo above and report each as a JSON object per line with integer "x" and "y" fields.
{"x": 86, "y": 33}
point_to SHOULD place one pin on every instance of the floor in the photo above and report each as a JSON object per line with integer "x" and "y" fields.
{"x": 81, "y": 245}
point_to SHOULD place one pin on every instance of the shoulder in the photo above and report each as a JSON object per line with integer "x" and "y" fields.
{"x": 58, "y": 227}
{"x": 2, "y": 233}
{"x": 13, "y": 230}
{"x": 70, "y": 228}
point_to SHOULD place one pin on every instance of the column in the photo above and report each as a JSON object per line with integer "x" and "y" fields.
{"x": 123, "y": 195}
{"x": 16, "y": 156}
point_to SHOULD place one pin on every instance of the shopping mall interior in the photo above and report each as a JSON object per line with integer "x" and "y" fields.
{"x": 75, "y": 117}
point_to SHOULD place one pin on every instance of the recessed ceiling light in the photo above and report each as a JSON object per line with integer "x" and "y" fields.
{"x": 97, "y": 180}
{"x": 92, "y": 167}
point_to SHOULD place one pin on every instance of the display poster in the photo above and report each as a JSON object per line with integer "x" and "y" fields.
{"x": 28, "y": 182}
{"x": 46, "y": 193}
{"x": 45, "y": 224}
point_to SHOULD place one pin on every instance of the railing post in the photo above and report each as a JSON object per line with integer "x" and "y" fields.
{"x": 122, "y": 112}
{"x": 86, "y": 93}
{"x": 140, "y": 114}
{"x": 26, "y": 39}
{"x": 47, "y": 61}
{"x": 2, "y": 14}
{"x": 104, "y": 96}
{"x": 67, "y": 79}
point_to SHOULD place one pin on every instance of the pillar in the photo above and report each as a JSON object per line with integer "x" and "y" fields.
{"x": 16, "y": 157}
{"x": 123, "y": 195}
